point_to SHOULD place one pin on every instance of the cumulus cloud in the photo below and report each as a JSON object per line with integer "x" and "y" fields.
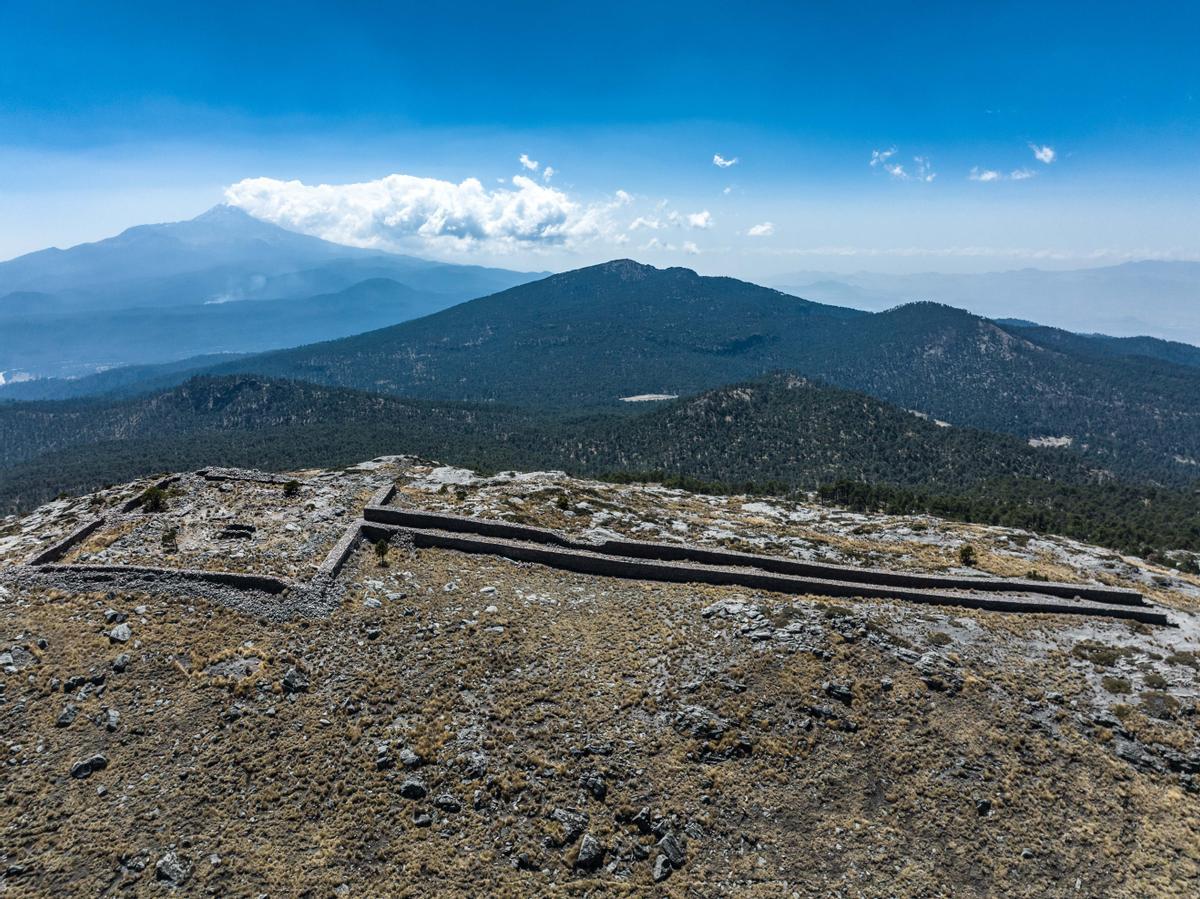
{"x": 643, "y": 221}
{"x": 1043, "y": 153}
{"x": 403, "y": 211}
{"x": 721, "y": 162}
{"x": 766, "y": 229}
{"x": 702, "y": 219}
{"x": 549, "y": 172}
{"x": 526, "y": 162}
{"x": 925, "y": 170}
{"x": 978, "y": 174}
{"x": 690, "y": 248}
{"x": 1022, "y": 174}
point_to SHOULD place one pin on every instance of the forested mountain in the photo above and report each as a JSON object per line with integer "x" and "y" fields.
{"x": 586, "y": 338}
{"x": 1104, "y": 345}
{"x": 780, "y": 432}
{"x": 787, "y": 429}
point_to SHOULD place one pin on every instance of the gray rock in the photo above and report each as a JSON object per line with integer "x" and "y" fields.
{"x": 120, "y": 634}
{"x": 112, "y": 616}
{"x": 172, "y": 869}
{"x": 409, "y": 759}
{"x": 672, "y": 849}
{"x": 473, "y": 763}
{"x": 89, "y": 766}
{"x": 422, "y": 819}
{"x": 662, "y": 869}
{"x": 841, "y": 692}
{"x": 383, "y": 757}
{"x": 112, "y": 720}
{"x": 120, "y": 663}
{"x": 573, "y": 824}
{"x": 594, "y": 784}
{"x": 642, "y": 820}
{"x": 66, "y": 716}
{"x": 700, "y": 722}
{"x": 413, "y": 789}
{"x": 591, "y": 853}
{"x": 295, "y": 681}
{"x": 447, "y": 803}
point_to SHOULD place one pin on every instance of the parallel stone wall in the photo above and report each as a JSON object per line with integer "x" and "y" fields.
{"x": 586, "y": 562}
{"x": 681, "y": 553}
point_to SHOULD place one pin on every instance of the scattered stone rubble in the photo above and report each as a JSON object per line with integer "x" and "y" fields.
{"x": 469, "y": 724}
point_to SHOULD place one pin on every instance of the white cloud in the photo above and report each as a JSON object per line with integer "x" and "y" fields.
{"x": 549, "y": 172}
{"x": 1022, "y": 174}
{"x": 1043, "y": 153}
{"x": 922, "y": 171}
{"x": 406, "y": 212}
{"x": 690, "y": 248}
{"x": 766, "y": 229}
{"x": 531, "y": 164}
{"x": 978, "y": 174}
{"x": 879, "y": 157}
{"x": 701, "y": 219}
{"x": 721, "y": 162}
{"x": 727, "y": 191}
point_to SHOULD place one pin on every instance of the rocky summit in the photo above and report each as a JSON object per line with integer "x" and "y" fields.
{"x": 229, "y": 682}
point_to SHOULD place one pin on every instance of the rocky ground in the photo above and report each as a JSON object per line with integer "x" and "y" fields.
{"x": 466, "y": 725}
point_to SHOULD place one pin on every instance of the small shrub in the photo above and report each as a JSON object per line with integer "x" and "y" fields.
{"x": 1156, "y": 681}
{"x": 1191, "y": 659}
{"x": 1159, "y": 705}
{"x": 381, "y": 552}
{"x": 170, "y": 540}
{"x": 1099, "y": 654}
{"x": 154, "y": 500}
{"x": 939, "y": 638}
{"x": 966, "y": 554}
{"x": 1118, "y": 686}
{"x": 291, "y": 488}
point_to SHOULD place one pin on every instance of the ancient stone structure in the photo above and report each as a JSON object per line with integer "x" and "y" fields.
{"x": 609, "y": 558}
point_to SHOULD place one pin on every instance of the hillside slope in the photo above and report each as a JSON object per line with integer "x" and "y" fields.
{"x": 462, "y": 725}
{"x": 588, "y": 337}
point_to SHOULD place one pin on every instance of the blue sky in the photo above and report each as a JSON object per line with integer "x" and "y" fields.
{"x": 115, "y": 116}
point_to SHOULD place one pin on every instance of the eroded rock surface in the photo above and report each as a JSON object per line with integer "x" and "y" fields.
{"x": 489, "y": 727}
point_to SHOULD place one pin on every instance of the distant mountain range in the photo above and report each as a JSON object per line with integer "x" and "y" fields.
{"x": 581, "y": 340}
{"x": 157, "y": 293}
{"x": 1152, "y": 298}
